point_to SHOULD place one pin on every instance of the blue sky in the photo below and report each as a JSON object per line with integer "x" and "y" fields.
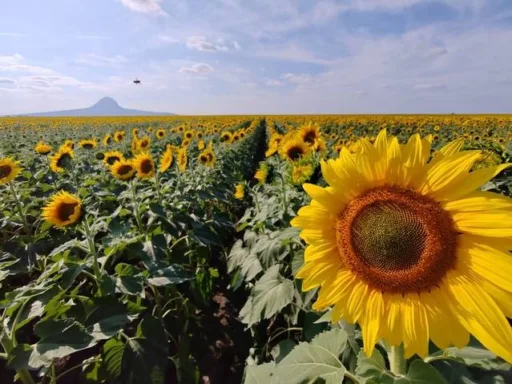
{"x": 258, "y": 56}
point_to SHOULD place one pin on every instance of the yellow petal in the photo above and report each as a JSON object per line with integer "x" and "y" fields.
{"x": 394, "y": 326}
{"x": 485, "y": 223}
{"x": 480, "y": 315}
{"x": 316, "y": 274}
{"x": 444, "y": 329}
{"x": 371, "y": 321}
{"x": 488, "y": 262}
{"x": 331, "y": 201}
{"x": 473, "y": 181}
{"x": 321, "y": 251}
{"x": 335, "y": 290}
{"x": 479, "y": 201}
{"x": 355, "y": 302}
{"x": 501, "y": 297}
{"x": 442, "y": 175}
{"x": 415, "y": 320}
{"x": 394, "y": 161}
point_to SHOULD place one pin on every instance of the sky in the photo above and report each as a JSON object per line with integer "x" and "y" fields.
{"x": 258, "y": 56}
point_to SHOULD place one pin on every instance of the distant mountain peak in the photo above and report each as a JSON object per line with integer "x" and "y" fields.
{"x": 106, "y": 106}
{"x": 107, "y": 102}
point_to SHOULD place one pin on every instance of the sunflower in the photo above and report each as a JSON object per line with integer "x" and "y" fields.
{"x": 188, "y": 135}
{"x": 207, "y": 157}
{"x": 239, "y": 191}
{"x": 160, "y": 134}
{"x": 301, "y": 173}
{"x": 123, "y": 169}
{"x": 166, "y": 159}
{"x": 199, "y": 135}
{"x": 273, "y": 145}
{"x": 88, "y": 144}
{"x": 69, "y": 143}
{"x": 62, "y": 159}
{"x": 43, "y": 148}
{"x": 9, "y": 169}
{"x": 62, "y": 209}
{"x": 182, "y": 159}
{"x": 262, "y": 173}
{"x": 107, "y": 139}
{"x": 119, "y": 136}
{"x": 200, "y": 145}
{"x": 111, "y": 157}
{"x": 135, "y": 132}
{"x": 144, "y": 165}
{"x": 408, "y": 248}
{"x": 309, "y": 133}
{"x": 226, "y": 137}
{"x": 185, "y": 143}
{"x": 143, "y": 144}
{"x": 293, "y": 149}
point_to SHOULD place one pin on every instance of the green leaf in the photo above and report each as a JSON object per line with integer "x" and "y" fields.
{"x": 282, "y": 349}
{"x": 107, "y": 317}
{"x": 373, "y": 367}
{"x": 316, "y": 360}
{"x": 112, "y": 355}
{"x": 271, "y": 293}
{"x": 173, "y": 274}
{"x": 261, "y": 374}
{"x": 421, "y": 373}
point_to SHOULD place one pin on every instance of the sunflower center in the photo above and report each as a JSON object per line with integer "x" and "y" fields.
{"x": 5, "y": 170}
{"x": 65, "y": 211}
{"x": 397, "y": 240}
{"x": 310, "y": 137}
{"x": 112, "y": 159}
{"x": 294, "y": 153}
{"x": 146, "y": 166}
{"x": 124, "y": 169}
{"x": 64, "y": 160}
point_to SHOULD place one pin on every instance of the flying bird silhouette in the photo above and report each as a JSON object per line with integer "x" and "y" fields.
{"x": 136, "y": 81}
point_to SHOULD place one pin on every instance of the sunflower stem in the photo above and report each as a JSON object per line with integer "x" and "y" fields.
{"x": 92, "y": 250}
{"x": 7, "y": 344}
{"x": 397, "y": 360}
{"x": 283, "y": 190}
{"x": 20, "y": 209}
{"x": 136, "y": 206}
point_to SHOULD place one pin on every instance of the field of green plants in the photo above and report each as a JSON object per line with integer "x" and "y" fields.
{"x": 169, "y": 250}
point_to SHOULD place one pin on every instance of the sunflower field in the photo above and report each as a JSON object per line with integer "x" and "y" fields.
{"x": 256, "y": 249}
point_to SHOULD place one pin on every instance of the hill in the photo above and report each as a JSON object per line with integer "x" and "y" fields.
{"x": 105, "y": 107}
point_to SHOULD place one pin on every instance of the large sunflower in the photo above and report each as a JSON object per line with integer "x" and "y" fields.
{"x": 207, "y": 157}
{"x": 123, "y": 169}
{"x": 62, "y": 209}
{"x": 62, "y": 159}
{"x": 408, "y": 248}
{"x": 9, "y": 169}
{"x": 144, "y": 165}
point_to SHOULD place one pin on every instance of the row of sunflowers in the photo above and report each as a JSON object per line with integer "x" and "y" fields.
{"x": 228, "y": 249}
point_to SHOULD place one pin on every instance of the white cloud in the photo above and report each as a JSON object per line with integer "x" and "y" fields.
{"x": 300, "y": 79}
{"x": 95, "y": 60}
{"x": 273, "y": 83}
{"x": 145, "y": 6}
{"x": 17, "y": 63}
{"x": 203, "y": 44}
{"x": 197, "y": 69}
{"x": 237, "y": 46}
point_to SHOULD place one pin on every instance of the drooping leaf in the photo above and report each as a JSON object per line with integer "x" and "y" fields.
{"x": 316, "y": 360}
{"x": 271, "y": 293}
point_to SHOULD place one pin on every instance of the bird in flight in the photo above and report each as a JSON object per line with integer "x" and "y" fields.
{"x": 136, "y": 81}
